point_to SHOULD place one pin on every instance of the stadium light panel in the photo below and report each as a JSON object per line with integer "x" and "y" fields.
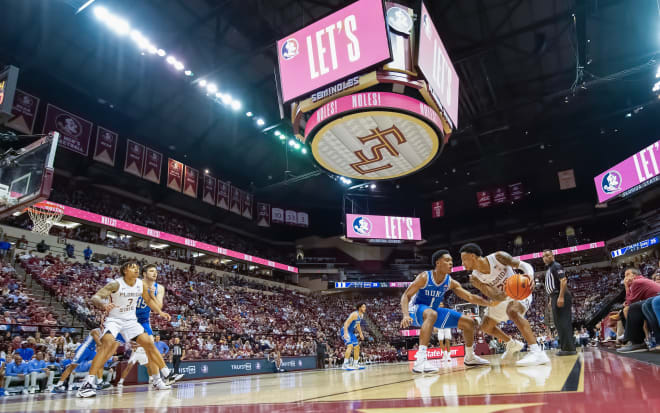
{"x": 188, "y": 72}
{"x": 296, "y": 145}
{"x": 304, "y": 151}
{"x": 291, "y": 142}
{"x": 161, "y": 52}
{"x": 101, "y": 13}
{"x": 277, "y": 133}
{"x": 202, "y": 83}
{"x": 236, "y": 105}
{"x": 212, "y": 88}
{"x": 249, "y": 114}
{"x": 260, "y": 122}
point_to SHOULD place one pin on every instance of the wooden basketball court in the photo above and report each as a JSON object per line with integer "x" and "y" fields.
{"x": 591, "y": 382}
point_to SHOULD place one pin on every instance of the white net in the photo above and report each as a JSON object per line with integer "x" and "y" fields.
{"x": 44, "y": 218}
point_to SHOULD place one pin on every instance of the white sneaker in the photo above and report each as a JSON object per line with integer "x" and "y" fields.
{"x": 160, "y": 385}
{"x": 348, "y": 366}
{"x": 534, "y": 358}
{"x": 120, "y": 385}
{"x": 475, "y": 360}
{"x": 512, "y": 347}
{"x": 32, "y": 390}
{"x": 424, "y": 366}
{"x": 357, "y": 366}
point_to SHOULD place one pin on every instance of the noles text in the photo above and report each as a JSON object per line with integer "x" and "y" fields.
{"x": 324, "y": 43}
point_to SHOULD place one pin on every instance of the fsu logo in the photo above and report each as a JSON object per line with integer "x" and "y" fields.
{"x": 68, "y": 126}
{"x": 362, "y": 225}
{"x": 612, "y": 182}
{"x": 290, "y": 49}
{"x": 383, "y": 145}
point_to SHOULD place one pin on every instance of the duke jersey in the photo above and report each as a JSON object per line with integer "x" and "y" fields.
{"x": 432, "y": 293}
{"x": 143, "y": 311}
{"x": 498, "y": 273}
{"x": 125, "y": 300}
{"x": 354, "y": 323}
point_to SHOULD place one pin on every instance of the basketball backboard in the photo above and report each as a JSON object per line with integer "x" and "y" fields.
{"x": 26, "y": 174}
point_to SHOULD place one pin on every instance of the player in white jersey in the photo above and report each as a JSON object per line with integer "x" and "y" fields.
{"x": 488, "y": 276}
{"x": 123, "y": 294}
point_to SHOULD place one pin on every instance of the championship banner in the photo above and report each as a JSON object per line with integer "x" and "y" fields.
{"x": 134, "y": 158}
{"x": 247, "y": 205}
{"x": 291, "y": 217}
{"x": 209, "y": 190}
{"x": 191, "y": 182}
{"x": 223, "y": 195}
{"x": 236, "y": 197}
{"x": 500, "y": 195}
{"x": 25, "y": 112}
{"x": 278, "y": 215}
{"x": 153, "y": 162}
{"x": 516, "y": 191}
{"x": 174, "y": 175}
{"x": 106, "y": 146}
{"x": 75, "y": 132}
{"x": 303, "y": 219}
{"x": 483, "y": 199}
{"x": 438, "y": 209}
{"x": 263, "y": 214}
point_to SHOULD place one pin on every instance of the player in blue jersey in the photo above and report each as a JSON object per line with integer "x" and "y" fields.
{"x": 347, "y": 332}
{"x": 424, "y": 310}
{"x": 143, "y": 313}
{"x": 85, "y": 352}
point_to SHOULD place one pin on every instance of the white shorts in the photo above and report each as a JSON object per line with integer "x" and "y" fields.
{"x": 129, "y": 329}
{"x": 444, "y": 334}
{"x": 139, "y": 356}
{"x": 498, "y": 313}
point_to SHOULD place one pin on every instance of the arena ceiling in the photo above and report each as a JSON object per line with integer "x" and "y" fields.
{"x": 526, "y": 109}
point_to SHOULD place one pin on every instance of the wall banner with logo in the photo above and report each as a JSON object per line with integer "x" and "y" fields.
{"x": 247, "y": 205}
{"x": 134, "y": 158}
{"x": 106, "y": 146}
{"x": 191, "y": 182}
{"x": 174, "y": 175}
{"x": 223, "y": 194}
{"x": 236, "y": 200}
{"x": 209, "y": 190}
{"x": 25, "y": 112}
{"x": 153, "y": 162}
{"x": 75, "y": 132}
{"x": 263, "y": 214}
{"x": 278, "y": 215}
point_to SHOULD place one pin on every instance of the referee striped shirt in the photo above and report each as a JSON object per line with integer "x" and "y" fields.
{"x": 176, "y": 350}
{"x": 553, "y": 276}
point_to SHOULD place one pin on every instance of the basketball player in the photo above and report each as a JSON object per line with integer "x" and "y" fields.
{"x": 143, "y": 313}
{"x": 488, "y": 276}
{"x": 420, "y": 304}
{"x": 444, "y": 338}
{"x": 121, "y": 319}
{"x": 138, "y": 356}
{"x": 347, "y": 332}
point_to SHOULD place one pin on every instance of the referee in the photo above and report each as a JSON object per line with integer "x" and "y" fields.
{"x": 561, "y": 300}
{"x": 177, "y": 354}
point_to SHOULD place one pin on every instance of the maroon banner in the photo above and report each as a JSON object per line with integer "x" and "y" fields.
{"x": 247, "y": 205}
{"x": 278, "y": 215}
{"x": 223, "y": 194}
{"x": 25, "y": 112}
{"x": 106, "y": 146}
{"x": 291, "y": 217}
{"x": 174, "y": 175}
{"x": 500, "y": 195}
{"x": 153, "y": 163}
{"x": 134, "y": 158}
{"x": 484, "y": 199}
{"x": 191, "y": 182}
{"x": 438, "y": 209}
{"x": 209, "y": 190}
{"x": 75, "y": 132}
{"x": 236, "y": 197}
{"x": 516, "y": 191}
{"x": 303, "y": 219}
{"x": 263, "y": 214}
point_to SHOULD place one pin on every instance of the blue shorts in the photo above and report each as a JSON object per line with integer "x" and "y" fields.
{"x": 83, "y": 354}
{"x": 352, "y": 339}
{"x": 447, "y": 318}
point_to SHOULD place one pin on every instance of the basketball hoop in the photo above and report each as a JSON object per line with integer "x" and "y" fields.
{"x": 44, "y": 216}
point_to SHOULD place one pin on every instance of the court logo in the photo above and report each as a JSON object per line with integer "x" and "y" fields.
{"x": 612, "y": 182}
{"x": 290, "y": 49}
{"x": 68, "y": 126}
{"x": 362, "y": 226}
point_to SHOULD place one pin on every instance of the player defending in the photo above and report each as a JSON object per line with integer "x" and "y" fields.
{"x": 143, "y": 313}
{"x": 424, "y": 310}
{"x": 121, "y": 319}
{"x": 347, "y": 332}
{"x": 488, "y": 276}
{"x": 85, "y": 352}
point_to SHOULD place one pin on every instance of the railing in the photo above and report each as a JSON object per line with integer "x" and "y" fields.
{"x": 44, "y": 329}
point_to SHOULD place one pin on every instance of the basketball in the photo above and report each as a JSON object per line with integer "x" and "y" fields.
{"x": 518, "y": 287}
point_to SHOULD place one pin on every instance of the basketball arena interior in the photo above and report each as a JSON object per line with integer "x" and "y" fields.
{"x": 330, "y": 205}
